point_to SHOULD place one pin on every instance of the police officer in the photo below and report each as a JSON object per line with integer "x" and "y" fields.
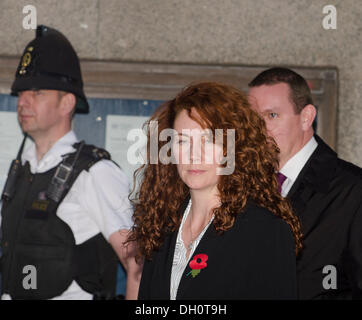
{"x": 65, "y": 203}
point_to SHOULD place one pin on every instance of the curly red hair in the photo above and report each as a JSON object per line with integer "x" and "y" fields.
{"x": 161, "y": 193}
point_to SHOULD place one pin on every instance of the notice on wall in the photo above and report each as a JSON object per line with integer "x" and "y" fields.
{"x": 11, "y": 138}
{"x": 126, "y": 142}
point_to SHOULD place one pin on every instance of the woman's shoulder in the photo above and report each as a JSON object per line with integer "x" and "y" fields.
{"x": 257, "y": 215}
{"x": 262, "y": 228}
{"x": 256, "y": 212}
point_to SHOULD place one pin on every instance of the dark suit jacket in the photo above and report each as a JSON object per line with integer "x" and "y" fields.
{"x": 255, "y": 259}
{"x": 327, "y": 196}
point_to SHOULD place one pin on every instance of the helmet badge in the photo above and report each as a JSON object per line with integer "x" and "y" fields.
{"x": 25, "y": 61}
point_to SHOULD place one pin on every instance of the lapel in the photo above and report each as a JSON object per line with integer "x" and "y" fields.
{"x": 164, "y": 277}
{"x": 169, "y": 250}
{"x": 208, "y": 245}
{"x": 314, "y": 178}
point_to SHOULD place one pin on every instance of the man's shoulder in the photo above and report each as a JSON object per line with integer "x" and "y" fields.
{"x": 342, "y": 166}
{"x": 87, "y": 156}
{"x": 349, "y": 167}
{"x": 349, "y": 172}
{"x": 325, "y": 165}
{"x": 92, "y": 151}
{"x": 99, "y": 166}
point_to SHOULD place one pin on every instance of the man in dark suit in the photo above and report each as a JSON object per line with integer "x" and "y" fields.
{"x": 325, "y": 191}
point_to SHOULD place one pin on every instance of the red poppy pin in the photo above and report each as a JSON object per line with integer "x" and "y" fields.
{"x": 198, "y": 263}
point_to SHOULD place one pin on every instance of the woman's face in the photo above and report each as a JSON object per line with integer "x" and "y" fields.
{"x": 195, "y": 153}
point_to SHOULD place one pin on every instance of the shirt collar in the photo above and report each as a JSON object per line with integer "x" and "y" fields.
{"x": 296, "y": 163}
{"x": 54, "y": 155}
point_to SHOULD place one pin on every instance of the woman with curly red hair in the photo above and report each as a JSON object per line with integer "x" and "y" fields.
{"x": 211, "y": 223}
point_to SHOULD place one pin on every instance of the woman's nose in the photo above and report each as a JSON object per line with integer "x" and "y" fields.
{"x": 196, "y": 151}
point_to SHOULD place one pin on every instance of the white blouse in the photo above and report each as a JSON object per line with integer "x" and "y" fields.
{"x": 179, "y": 259}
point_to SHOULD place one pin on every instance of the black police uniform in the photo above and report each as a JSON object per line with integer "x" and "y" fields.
{"x": 32, "y": 233}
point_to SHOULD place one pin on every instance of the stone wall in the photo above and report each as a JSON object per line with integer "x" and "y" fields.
{"x": 245, "y": 32}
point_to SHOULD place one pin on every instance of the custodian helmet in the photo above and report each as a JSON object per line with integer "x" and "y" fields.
{"x": 50, "y": 62}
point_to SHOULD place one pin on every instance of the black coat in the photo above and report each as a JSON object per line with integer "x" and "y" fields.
{"x": 255, "y": 259}
{"x": 327, "y": 196}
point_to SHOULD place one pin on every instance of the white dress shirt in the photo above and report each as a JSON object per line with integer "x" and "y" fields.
{"x": 295, "y": 165}
{"x": 97, "y": 201}
{"x": 179, "y": 259}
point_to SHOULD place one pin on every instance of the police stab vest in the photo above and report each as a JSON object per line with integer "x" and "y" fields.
{"x": 33, "y": 235}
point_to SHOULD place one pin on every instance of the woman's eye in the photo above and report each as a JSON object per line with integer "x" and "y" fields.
{"x": 273, "y": 115}
{"x": 207, "y": 139}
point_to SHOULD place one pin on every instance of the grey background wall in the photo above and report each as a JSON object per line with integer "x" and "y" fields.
{"x": 245, "y": 32}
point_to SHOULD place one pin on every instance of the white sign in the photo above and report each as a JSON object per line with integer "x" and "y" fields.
{"x": 11, "y": 137}
{"x": 118, "y": 128}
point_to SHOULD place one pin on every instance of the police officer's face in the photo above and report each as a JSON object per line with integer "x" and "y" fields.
{"x": 38, "y": 111}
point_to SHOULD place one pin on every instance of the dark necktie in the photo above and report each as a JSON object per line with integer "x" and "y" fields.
{"x": 281, "y": 178}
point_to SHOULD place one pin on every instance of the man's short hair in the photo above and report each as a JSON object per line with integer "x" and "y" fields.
{"x": 300, "y": 94}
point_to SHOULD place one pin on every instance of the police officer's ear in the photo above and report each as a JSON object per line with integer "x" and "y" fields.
{"x": 67, "y": 103}
{"x": 308, "y": 115}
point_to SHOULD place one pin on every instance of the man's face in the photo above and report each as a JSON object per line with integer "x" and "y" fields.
{"x": 38, "y": 111}
{"x": 272, "y": 102}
